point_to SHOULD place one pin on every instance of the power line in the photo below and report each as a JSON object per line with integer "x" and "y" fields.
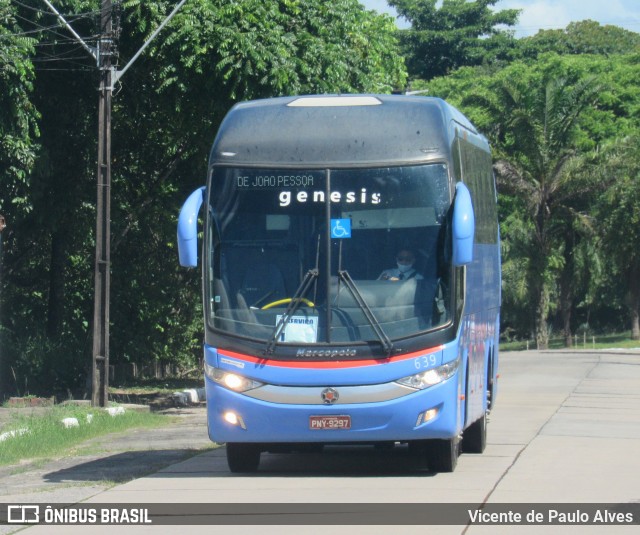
{"x": 52, "y": 31}
{"x": 41, "y": 28}
{"x": 64, "y": 42}
{"x": 59, "y": 69}
{"x": 71, "y": 16}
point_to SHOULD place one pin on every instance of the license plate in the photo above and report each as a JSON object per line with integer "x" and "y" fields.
{"x": 329, "y": 422}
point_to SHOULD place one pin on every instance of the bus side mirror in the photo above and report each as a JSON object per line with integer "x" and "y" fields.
{"x": 188, "y": 229}
{"x": 463, "y": 226}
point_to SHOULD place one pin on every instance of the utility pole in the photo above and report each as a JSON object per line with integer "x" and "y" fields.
{"x": 102, "y": 268}
{"x": 103, "y": 55}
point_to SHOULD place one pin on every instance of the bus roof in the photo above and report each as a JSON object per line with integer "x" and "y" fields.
{"x": 337, "y": 130}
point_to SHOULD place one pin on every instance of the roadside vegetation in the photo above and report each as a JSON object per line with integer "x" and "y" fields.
{"x": 581, "y": 341}
{"x": 31, "y": 434}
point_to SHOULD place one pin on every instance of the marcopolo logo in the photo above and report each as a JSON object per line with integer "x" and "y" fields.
{"x": 329, "y": 353}
{"x": 329, "y": 396}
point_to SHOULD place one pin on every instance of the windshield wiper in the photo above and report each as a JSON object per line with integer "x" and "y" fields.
{"x": 298, "y": 297}
{"x": 387, "y": 345}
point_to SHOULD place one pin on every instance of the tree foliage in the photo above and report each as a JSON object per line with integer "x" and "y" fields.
{"x": 165, "y": 113}
{"x": 454, "y": 34}
{"x": 253, "y": 48}
{"x": 18, "y": 116}
{"x": 583, "y": 37}
{"x": 536, "y": 128}
{"x": 546, "y": 127}
{"x": 619, "y": 213}
{"x": 213, "y": 54}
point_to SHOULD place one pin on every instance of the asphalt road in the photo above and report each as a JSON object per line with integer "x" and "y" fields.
{"x": 565, "y": 430}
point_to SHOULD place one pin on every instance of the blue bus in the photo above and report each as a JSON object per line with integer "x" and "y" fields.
{"x": 351, "y": 277}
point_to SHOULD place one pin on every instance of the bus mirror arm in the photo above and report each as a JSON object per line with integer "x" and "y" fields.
{"x": 188, "y": 229}
{"x": 463, "y": 226}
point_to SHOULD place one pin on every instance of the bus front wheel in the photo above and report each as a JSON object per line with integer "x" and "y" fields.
{"x": 443, "y": 454}
{"x": 243, "y": 457}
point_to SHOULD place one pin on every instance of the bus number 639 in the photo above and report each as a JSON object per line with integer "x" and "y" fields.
{"x": 425, "y": 361}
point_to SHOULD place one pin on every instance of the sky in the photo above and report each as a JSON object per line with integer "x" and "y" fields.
{"x": 553, "y": 14}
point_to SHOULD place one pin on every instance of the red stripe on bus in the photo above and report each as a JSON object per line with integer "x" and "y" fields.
{"x": 326, "y": 364}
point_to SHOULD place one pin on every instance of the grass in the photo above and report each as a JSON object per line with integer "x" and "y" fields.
{"x": 593, "y": 341}
{"x": 41, "y": 434}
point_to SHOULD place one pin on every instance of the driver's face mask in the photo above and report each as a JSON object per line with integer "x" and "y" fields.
{"x": 405, "y": 262}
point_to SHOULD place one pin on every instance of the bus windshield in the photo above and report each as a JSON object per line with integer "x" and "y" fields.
{"x": 317, "y": 256}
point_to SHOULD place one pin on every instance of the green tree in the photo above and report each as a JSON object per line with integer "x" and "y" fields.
{"x": 166, "y": 110}
{"x": 48, "y": 264}
{"x": 165, "y": 117}
{"x": 619, "y": 214}
{"x": 582, "y": 289}
{"x": 584, "y": 37}
{"x": 454, "y": 34}
{"x": 18, "y": 134}
{"x": 18, "y": 116}
{"x": 536, "y": 126}
{"x": 533, "y": 115}
{"x": 255, "y": 48}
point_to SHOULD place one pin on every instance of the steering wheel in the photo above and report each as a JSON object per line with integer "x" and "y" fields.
{"x": 286, "y": 301}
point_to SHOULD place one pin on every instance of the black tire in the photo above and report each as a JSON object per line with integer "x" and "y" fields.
{"x": 474, "y": 439}
{"x": 443, "y": 454}
{"x": 243, "y": 457}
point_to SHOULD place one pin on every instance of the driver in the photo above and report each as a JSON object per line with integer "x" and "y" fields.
{"x": 405, "y": 260}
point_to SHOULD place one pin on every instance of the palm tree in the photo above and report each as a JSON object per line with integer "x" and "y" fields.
{"x": 535, "y": 137}
{"x": 620, "y": 220}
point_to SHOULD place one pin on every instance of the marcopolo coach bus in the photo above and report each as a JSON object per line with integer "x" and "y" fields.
{"x": 351, "y": 275}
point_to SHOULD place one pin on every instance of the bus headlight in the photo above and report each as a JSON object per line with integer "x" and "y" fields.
{"x": 230, "y": 380}
{"x": 430, "y": 377}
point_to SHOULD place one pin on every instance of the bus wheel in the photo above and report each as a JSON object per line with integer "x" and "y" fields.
{"x": 443, "y": 454}
{"x": 474, "y": 439}
{"x": 243, "y": 457}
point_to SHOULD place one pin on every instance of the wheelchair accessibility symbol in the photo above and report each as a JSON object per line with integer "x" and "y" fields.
{"x": 341, "y": 228}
